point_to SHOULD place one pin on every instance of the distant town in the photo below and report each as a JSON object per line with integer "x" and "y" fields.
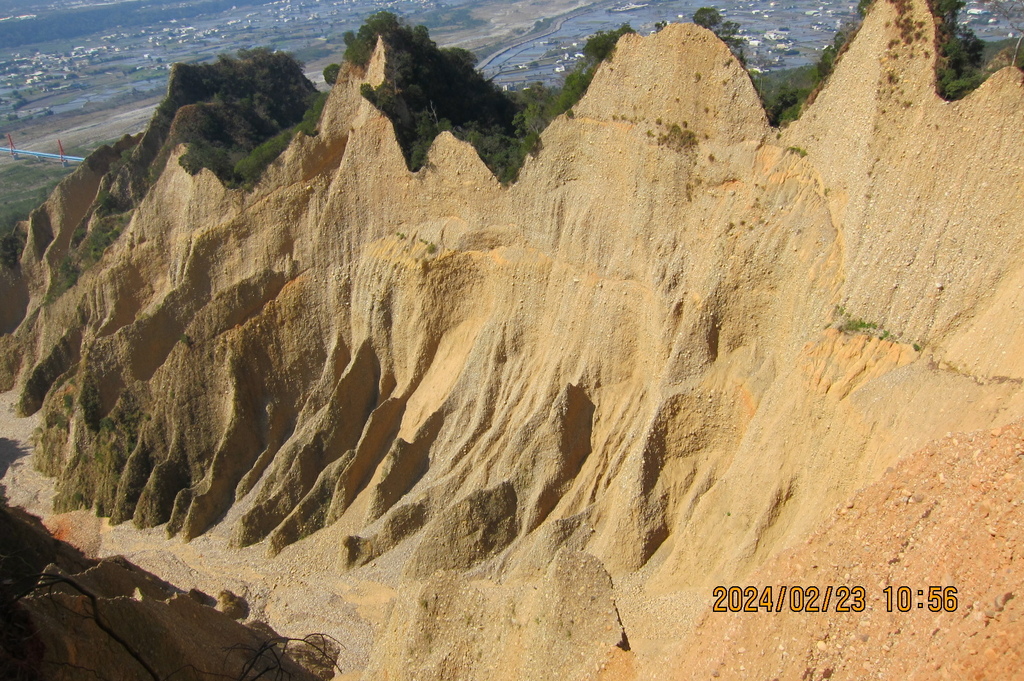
{"x": 777, "y": 33}
{"x": 55, "y": 77}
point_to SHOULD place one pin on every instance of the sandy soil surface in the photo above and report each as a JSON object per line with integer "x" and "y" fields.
{"x": 20, "y": 482}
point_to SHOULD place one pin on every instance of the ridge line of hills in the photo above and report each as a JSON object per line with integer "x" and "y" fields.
{"x": 552, "y": 416}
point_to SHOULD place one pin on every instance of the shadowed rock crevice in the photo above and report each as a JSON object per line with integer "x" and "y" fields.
{"x": 556, "y": 471}
{"x": 402, "y": 468}
{"x": 62, "y": 356}
{"x": 336, "y": 429}
{"x": 471, "y": 530}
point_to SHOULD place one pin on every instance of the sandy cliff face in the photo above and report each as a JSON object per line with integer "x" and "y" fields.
{"x": 624, "y": 364}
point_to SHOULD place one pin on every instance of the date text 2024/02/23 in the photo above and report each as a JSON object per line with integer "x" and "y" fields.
{"x": 836, "y": 598}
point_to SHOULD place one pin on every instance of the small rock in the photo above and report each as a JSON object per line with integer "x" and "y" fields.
{"x": 821, "y": 645}
{"x": 232, "y": 605}
{"x": 200, "y": 597}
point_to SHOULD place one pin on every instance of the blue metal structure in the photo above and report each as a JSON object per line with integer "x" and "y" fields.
{"x": 62, "y": 157}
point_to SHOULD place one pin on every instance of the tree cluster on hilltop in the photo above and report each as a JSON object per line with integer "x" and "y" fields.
{"x": 235, "y": 115}
{"x": 238, "y": 115}
{"x": 727, "y": 31}
{"x": 428, "y": 90}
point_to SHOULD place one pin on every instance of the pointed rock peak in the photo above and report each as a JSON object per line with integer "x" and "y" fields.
{"x": 891, "y": 60}
{"x": 375, "y": 69}
{"x": 1003, "y": 90}
{"x": 683, "y": 75}
{"x": 455, "y": 159}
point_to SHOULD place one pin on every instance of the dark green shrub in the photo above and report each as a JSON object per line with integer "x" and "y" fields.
{"x": 89, "y": 401}
{"x": 248, "y": 170}
{"x": 959, "y": 71}
{"x": 311, "y": 118}
{"x": 11, "y": 246}
{"x": 958, "y": 68}
{"x": 331, "y": 72}
{"x": 107, "y": 203}
{"x": 601, "y": 45}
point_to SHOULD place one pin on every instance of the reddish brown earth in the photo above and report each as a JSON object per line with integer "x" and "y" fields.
{"x": 949, "y": 514}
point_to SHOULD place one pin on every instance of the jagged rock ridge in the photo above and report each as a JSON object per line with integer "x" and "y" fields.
{"x": 625, "y": 353}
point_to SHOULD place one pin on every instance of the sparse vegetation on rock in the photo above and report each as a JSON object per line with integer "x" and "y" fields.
{"x": 429, "y": 90}
{"x": 677, "y": 138}
{"x": 958, "y": 70}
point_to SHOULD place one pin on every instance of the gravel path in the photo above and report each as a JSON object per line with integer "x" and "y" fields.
{"x": 21, "y": 483}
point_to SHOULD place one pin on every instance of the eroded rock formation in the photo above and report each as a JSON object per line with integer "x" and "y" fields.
{"x": 629, "y": 362}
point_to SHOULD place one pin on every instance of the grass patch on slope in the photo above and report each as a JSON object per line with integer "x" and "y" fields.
{"x": 27, "y": 184}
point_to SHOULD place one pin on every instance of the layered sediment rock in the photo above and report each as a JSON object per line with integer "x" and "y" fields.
{"x": 641, "y": 350}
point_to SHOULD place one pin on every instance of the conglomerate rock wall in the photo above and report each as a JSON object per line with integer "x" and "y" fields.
{"x": 640, "y": 351}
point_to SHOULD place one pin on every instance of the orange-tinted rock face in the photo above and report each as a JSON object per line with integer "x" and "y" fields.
{"x": 946, "y": 516}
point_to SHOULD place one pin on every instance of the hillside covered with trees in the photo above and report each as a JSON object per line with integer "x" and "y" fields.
{"x": 429, "y": 90}
{"x": 238, "y": 114}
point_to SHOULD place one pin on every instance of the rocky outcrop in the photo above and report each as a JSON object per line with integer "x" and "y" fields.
{"x": 110, "y": 619}
{"x": 637, "y": 351}
{"x": 453, "y": 628}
